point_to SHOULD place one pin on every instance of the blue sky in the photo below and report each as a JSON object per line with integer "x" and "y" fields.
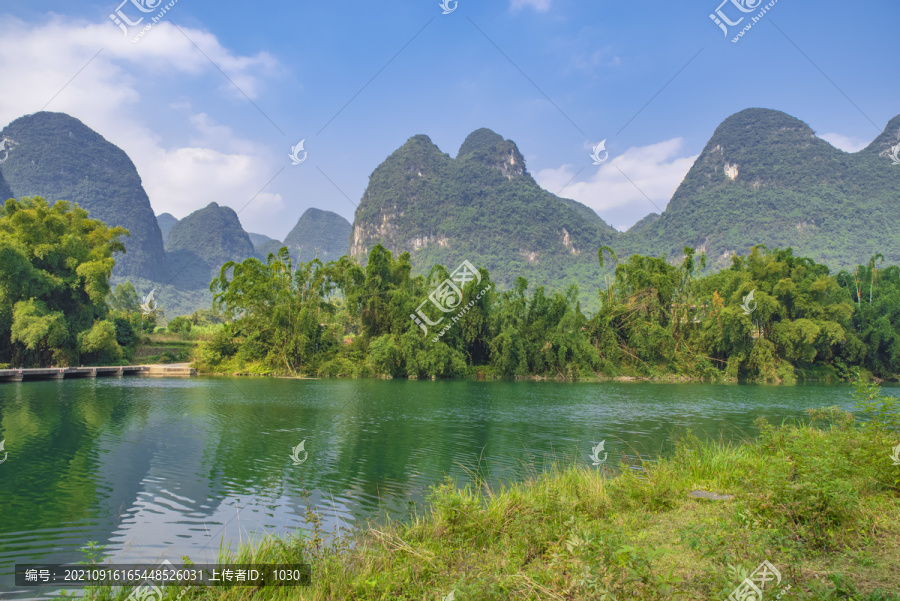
{"x": 209, "y": 102}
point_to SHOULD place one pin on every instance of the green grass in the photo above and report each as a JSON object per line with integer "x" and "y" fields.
{"x": 820, "y": 500}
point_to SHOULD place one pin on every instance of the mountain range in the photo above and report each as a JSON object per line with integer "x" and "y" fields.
{"x": 763, "y": 178}
{"x": 58, "y": 157}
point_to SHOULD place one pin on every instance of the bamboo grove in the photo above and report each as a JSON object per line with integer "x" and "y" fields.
{"x": 655, "y": 319}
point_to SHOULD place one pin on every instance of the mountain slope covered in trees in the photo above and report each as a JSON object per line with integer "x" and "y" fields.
{"x": 484, "y": 207}
{"x": 5, "y": 191}
{"x": 59, "y": 158}
{"x": 166, "y": 221}
{"x": 765, "y": 178}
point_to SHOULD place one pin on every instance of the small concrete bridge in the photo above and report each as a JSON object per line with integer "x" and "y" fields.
{"x": 59, "y": 373}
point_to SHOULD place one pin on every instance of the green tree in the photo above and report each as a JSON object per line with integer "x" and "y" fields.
{"x": 99, "y": 345}
{"x": 282, "y": 313}
{"x": 55, "y": 265}
{"x": 40, "y": 330}
{"x": 124, "y": 298}
{"x": 873, "y": 339}
{"x": 801, "y": 315}
{"x": 125, "y": 334}
{"x": 542, "y": 335}
{"x": 179, "y": 325}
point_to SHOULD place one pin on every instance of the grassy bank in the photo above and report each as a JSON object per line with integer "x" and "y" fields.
{"x": 819, "y": 500}
{"x": 166, "y": 348}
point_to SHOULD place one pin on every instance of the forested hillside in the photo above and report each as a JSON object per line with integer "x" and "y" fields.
{"x": 165, "y": 221}
{"x": 765, "y": 178}
{"x": 484, "y": 207}
{"x": 5, "y": 192}
{"x": 59, "y": 158}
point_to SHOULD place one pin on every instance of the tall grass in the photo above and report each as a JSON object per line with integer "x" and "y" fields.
{"x": 818, "y": 499}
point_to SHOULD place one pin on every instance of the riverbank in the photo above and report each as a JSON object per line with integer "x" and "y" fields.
{"x": 257, "y": 370}
{"x": 819, "y": 501}
{"x": 361, "y": 366}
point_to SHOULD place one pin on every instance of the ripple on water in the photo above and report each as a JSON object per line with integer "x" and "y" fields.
{"x": 163, "y": 468}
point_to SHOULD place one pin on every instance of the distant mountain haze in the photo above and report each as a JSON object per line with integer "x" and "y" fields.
{"x": 258, "y": 239}
{"x": 319, "y": 234}
{"x": 202, "y": 242}
{"x": 266, "y": 248}
{"x": 165, "y": 222}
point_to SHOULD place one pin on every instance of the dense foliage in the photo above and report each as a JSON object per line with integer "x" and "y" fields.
{"x": 55, "y": 265}
{"x": 771, "y": 316}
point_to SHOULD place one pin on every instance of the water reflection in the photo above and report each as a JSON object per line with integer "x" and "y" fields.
{"x": 156, "y": 469}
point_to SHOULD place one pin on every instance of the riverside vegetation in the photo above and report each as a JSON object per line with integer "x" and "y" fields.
{"x": 820, "y": 500}
{"x": 656, "y": 319}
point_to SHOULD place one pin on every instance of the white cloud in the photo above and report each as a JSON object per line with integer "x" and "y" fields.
{"x": 109, "y": 94}
{"x": 605, "y": 57}
{"x": 538, "y": 5}
{"x": 654, "y": 170}
{"x": 845, "y": 143}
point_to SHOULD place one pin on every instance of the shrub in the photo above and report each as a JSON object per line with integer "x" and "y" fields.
{"x": 125, "y": 334}
{"x": 222, "y": 343}
{"x": 98, "y": 345}
{"x": 180, "y": 325}
{"x": 336, "y": 368}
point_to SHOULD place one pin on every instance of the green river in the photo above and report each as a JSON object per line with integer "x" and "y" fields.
{"x": 160, "y": 468}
